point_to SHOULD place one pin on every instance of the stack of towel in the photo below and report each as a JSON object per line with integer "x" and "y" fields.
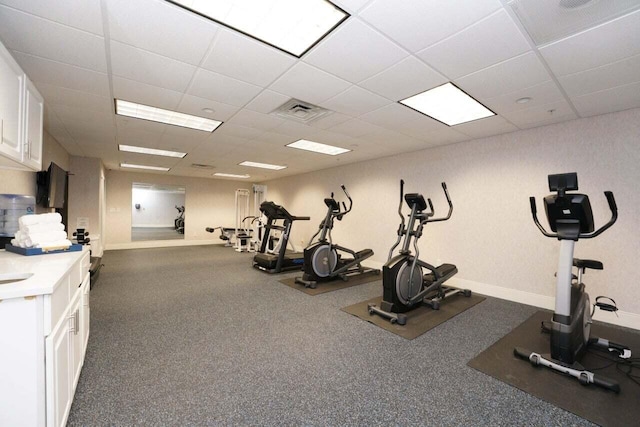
{"x": 41, "y": 231}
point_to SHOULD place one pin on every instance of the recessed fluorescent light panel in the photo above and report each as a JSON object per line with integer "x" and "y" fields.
{"x": 145, "y": 112}
{"x": 230, "y": 175}
{"x": 153, "y": 151}
{"x": 153, "y": 168}
{"x": 448, "y": 105}
{"x": 293, "y": 26}
{"x": 317, "y": 147}
{"x": 262, "y": 165}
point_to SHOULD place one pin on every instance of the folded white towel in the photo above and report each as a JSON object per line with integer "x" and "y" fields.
{"x": 39, "y": 219}
{"x": 43, "y": 227}
{"x": 64, "y": 243}
{"x": 38, "y": 239}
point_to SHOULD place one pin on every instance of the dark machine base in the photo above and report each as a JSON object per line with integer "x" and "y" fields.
{"x": 269, "y": 262}
{"x": 312, "y": 282}
{"x": 386, "y": 308}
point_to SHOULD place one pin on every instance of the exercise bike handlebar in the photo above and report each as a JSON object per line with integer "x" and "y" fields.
{"x": 614, "y": 217}
{"x": 444, "y": 218}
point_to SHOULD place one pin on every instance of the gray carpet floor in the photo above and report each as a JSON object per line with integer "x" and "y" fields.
{"x": 155, "y": 233}
{"x": 195, "y": 336}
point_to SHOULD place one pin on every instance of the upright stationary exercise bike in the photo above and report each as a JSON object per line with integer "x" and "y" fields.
{"x": 571, "y": 218}
{"x": 323, "y": 261}
{"x": 404, "y": 285}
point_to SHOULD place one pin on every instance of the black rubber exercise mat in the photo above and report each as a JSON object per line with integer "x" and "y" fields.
{"x": 593, "y": 403}
{"x": 334, "y": 285}
{"x": 420, "y": 319}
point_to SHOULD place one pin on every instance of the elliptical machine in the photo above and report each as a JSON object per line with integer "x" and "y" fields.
{"x": 404, "y": 285}
{"x": 322, "y": 260}
{"x": 571, "y": 218}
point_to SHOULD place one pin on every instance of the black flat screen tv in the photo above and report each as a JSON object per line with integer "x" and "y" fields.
{"x": 52, "y": 186}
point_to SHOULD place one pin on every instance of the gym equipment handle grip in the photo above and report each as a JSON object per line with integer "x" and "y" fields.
{"x": 532, "y": 202}
{"x": 606, "y": 383}
{"x": 521, "y": 352}
{"x": 611, "y": 200}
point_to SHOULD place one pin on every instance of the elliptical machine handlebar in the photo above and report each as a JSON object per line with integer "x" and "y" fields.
{"x": 614, "y": 217}
{"x": 444, "y": 218}
{"x": 344, "y": 206}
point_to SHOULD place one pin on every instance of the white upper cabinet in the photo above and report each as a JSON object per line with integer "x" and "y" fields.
{"x": 21, "y": 117}
{"x": 34, "y": 115}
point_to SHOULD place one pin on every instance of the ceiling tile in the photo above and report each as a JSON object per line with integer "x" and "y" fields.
{"x": 419, "y": 128}
{"x": 272, "y": 138}
{"x": 246, "y": 59}
{"x": 245, "y": 132}
{"x": 608, "y": 101}
{"x": 541, "y": 94}
{"x": 330, "y": 120}
{"x": 355, "y": 52}
{"x": 57, "y": 95}
{"x": 404, "y": 79}
{"x": 607, "y": 76}
{"x": 417, "y": 24}
{"x": 295, "y": 83}
{"x": 255, "y": 120}
{"x": 83, "y": 15}
{"x": 129, "y": 90}
{"x": 489, "y": 126}
{"x": 443, "y": 136}
{"x": 508, "y": 76}
{"x": 267, "y": 101}
{"x": 492, "y": 40}
{"x": 355, "y": 101}
{"x": 392, "y": 116}
{"x": 350, "y": 6}
{"x": 195, "y": 105}
{"x": 216, "y": 87}
{"x": 541, "y": 115}
{"x": 166, "y": 29}
{"x": 45, "y": 71}
{"x": 355, "y": 128}
{"x": 146, "y": 67}
{"x": 295, "y": 129}
{"x": 50, "y": 40}
{"x": 606, "y": 43}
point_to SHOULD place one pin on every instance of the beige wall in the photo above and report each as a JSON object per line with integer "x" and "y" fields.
{"x": 208, "y": 203}
{"x": 85, "y": 184}
{"x": 24, "y": 182}
{"x": 491, "y": 236}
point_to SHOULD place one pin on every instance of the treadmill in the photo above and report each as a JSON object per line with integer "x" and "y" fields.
{"x": 278, "y": 218}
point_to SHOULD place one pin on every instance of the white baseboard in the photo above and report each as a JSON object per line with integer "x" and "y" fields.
{"x": 623, "y": 318}
{"x": 158, "y": 244}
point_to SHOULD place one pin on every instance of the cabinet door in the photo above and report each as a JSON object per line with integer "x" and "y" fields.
{"x": 32, "y": 149}
{"x": 59, "y": 372}
{"x": 76, "y": 341}
{"x": 84, "y": 313}
{"x": 11, "y": 87}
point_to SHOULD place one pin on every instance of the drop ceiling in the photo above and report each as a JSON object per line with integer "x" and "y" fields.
{"x": 571, "y": 58}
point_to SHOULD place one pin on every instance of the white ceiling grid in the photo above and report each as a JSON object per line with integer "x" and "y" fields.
{"x": 570, "y": 61}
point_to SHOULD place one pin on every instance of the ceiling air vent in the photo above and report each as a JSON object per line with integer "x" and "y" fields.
{"x": 300, "y": 111}
{"x": 201, "y": 166}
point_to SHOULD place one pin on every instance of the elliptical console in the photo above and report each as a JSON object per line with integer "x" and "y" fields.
{"x": 404, "y": 285}
{"x": 570, "y": 219}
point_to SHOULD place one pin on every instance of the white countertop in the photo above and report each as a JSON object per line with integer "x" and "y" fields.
{"x": 47, "y": 271}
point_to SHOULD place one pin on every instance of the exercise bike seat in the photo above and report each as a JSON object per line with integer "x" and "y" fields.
{"x": 445, "y": 271}
{"x": 587, "y": 263}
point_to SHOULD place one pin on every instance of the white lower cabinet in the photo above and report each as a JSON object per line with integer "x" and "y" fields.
{"x": 43, "y": 340}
